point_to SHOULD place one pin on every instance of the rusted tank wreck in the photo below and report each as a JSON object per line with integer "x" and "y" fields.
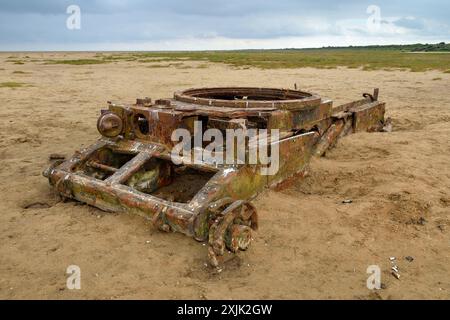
{"x": 132, "y": 168}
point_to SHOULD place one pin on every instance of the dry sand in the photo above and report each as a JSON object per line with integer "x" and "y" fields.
{"x": 310, "y": 244}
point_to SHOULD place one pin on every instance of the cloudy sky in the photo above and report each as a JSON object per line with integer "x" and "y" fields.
{"x": 213, "y": 24}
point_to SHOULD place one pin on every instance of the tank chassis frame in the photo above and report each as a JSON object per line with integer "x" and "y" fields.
{"x": 130, "y": 168}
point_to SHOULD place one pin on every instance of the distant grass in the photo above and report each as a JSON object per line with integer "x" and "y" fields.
{"x": 116, "y": 57}
{"x": 167, "y": 65}
{"x": 202, "y": 66}
{"x": 11, "y": 84}
{"x": 367, "y": 59}
{"x": 158, "y": 66}
{"x": 412, "y": 57}
{"x": 98, "y": 58}
{"x": 76, "y": 62}
{"x": 20, "y": 72}
{"x": 437, "y": 78}
{"x": 162, "y": 59}
{"x": 178, "y": 65}
{"x": 15, "y": 61}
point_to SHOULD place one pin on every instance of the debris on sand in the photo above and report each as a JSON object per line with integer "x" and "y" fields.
{"x": 395, "y": 271}
{"x": 56, "y": 156}
{"x": 387, "y": 125}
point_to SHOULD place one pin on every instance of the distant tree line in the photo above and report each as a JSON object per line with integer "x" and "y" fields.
{"x": 417, "y": 47}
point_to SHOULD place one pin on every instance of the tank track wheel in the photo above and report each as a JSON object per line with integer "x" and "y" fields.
{"x": 232, "y": 230}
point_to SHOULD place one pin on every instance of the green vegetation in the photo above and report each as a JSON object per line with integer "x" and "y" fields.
{"x": 202, "y": 66}
{"x": 414, "y": 57}
{"x": 178, "y": 65}
{"x": 367, "y": 59}
{"x": 15, "y": 61}
{"x": 167, "y": 65}
{"x": 76, "y": 62}
{"x": 114, "y": 57}
{"x": 11, "y": 84}
{"x": 156, "y": 58}
{"x": 158, "y": 66}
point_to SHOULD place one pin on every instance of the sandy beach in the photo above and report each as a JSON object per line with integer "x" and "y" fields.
{"x": 309, "y": 245}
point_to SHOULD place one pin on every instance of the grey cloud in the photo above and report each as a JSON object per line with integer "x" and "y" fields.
{"x": 410, "y": 23}
{"x": 137, "y": 21}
